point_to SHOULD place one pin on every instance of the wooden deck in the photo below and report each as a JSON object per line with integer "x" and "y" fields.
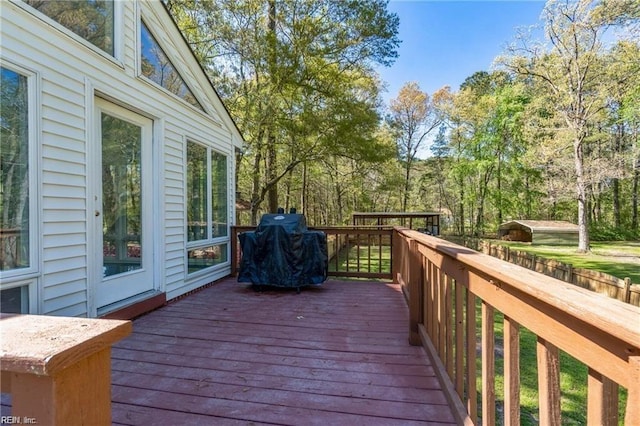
{"x": 337, "y": 354}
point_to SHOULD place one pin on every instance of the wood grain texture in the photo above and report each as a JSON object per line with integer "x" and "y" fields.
{"x": 44, "y": 345}
{"x": 334, "y": 354}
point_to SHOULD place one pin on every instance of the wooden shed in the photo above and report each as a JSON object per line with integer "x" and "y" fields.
{"x": 539, "y": 232}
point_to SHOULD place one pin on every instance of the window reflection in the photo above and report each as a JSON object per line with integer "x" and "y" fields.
{"x": 156, "y": 66}
{"x": 90, "y": 19}
{"x": 121, "y": 195}
{"x": 197, "y": 192}
{"x": 205, "y": 257}
{"x": 219, "y": 194}
{"x": 14, "y": 171}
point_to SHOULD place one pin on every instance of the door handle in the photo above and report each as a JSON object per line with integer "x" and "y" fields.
{"x": 97, "y": 213}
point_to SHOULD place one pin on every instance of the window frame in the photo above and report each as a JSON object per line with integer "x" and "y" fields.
{"x": 31, "y": 292}
{"x": 33, "y": 144}
{"x": 140, "y": 22}
{"x": 118, "y": 37}
{"x": 211, "y": 240}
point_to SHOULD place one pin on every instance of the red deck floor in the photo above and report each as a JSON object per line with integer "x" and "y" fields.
{"x": 336, "y": 354}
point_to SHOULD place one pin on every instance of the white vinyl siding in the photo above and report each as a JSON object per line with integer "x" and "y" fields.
{"x": 71, "y": 75}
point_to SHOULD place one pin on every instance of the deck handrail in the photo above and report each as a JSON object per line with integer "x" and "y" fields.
{"x": 58, "y": 369}
{"x": 354, "y": 251}
{"x": 442, "y": 282}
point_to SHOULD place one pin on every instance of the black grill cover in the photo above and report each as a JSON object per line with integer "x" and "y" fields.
{"x": 282, "y": 252}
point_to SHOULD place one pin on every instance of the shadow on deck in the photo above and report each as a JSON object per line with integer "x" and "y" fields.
{"x": 333, "y": 355}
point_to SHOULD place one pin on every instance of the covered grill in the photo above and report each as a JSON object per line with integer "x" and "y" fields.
{"x": 282, "y": 252}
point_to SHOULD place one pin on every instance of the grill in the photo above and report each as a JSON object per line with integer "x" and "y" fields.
{"x": 282, "y": 252}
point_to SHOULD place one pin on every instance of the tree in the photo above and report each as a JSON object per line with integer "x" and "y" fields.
{"x": 413, "y": 117}
{"x": 298, "y": 77}
{"x": 572, "y": 73}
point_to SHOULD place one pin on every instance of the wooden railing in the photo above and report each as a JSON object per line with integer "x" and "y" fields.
{"x": 448, "y": 286}
{"x": 354, "y": 251}
{"x": 58, "y": 369}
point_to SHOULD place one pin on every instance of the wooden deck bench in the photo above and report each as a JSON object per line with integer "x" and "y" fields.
{"x": 58, "y": 369}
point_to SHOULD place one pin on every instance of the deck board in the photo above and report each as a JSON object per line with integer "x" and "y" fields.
{"x": 332, "y": 355}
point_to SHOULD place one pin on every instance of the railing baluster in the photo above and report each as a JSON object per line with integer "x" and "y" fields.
{"x": 632, "y": 413}
{"x": 415, "y": 283}
{"x": 358, "y": 236}
{"x": 472, "y": 399}
{"x": 369, "y": 253}
{"x": 602, "y": 403}
{"x": 441, "y": 315}
{"x": 548, "y": 383}
{"x": 448, "y": 316}
{"x": 460, "y": 290}
{"x": 488, "y": 366}
{"x": 433, "y": 289}
{"x": 426, "y": 294}
{"x": 348, "y": 250}
{"x": 511, "y": 372}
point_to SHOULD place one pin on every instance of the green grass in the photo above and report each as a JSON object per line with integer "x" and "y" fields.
{"x": 372, "y": 259}
{"x": 620, "y": 259}
{"x": 573, "y": 380}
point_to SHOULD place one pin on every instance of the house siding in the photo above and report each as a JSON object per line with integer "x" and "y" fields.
{"x": 70, "y": 75}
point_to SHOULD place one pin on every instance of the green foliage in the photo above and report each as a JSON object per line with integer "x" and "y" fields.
{"x": 305, "y": 96}
{"x": 298, "y": 78}
{"x": 604, "y": 232}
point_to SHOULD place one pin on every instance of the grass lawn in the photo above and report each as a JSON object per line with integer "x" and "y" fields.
{"x": 573, "y": 381}
{"x": 618, "y": 258}
{"x": 371, "y": 258}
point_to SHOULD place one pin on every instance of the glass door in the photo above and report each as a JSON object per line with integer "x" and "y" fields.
{"x": 123, "y": 204}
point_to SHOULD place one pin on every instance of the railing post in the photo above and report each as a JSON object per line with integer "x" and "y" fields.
{"x": 511, "y": 372}
{"x": 395, "y": 256}
{"x": 602, "y": 402}
{"x": 632, "y": 413}
{"x": 548, "y": 382}
{"x": 415, "y": 284}
{"x": 234, "y": 251}
{"x": 58, "y": 369}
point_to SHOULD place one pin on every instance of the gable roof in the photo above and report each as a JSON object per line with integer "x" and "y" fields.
{"x": 543, "y": 225}
{"x": 191, "y": 53}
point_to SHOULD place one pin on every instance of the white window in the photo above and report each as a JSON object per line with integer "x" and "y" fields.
{"x": 15, "y": 298}
{"x": 17, "y": 173}
{"x": 92, "y": 20}
{"x": 156, "y": 66}
{"x": 207, "y": 207}
{"x": 18, "y": 197}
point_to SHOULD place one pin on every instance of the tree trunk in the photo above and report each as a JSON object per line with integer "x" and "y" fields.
{"x": 271, "y": 138}
{"x": 634, "y": 195}
{"x": 581, "y": 192}
{"x": 616, "y": 182}
{"x": 461, "y": 211}
{"x": 406, "y": 184}
{"x": 256, "y": 199}
{"x": 303, "y": 200}
{"x": 616, "y": 202}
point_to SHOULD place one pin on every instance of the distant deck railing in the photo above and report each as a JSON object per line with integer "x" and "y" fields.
{"x": 448, "y": 286}
{"x": 354, "y": 251}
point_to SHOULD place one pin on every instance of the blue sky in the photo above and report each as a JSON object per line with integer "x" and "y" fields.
{"x": 446, "y": 41}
